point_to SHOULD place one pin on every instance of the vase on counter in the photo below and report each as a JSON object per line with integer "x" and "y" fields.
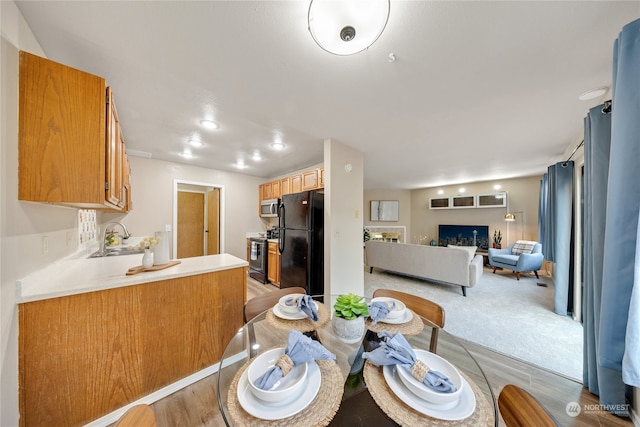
{"x": 161, "y": 249}
{"x": 147, "y": 258}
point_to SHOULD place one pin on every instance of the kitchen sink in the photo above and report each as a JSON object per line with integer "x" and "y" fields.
{"x": 116, "y": 252}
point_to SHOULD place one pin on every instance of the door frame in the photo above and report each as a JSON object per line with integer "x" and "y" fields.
{"x": 204, "y": 186}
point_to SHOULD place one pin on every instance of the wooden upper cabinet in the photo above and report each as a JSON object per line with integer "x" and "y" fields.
{"x": 275, "y": 189}
{"x": 266, "y": 191}
{"x": 63, "y": 139}
{"x": 285, "y": 186}
{"x": 310, "y": 180}
{"x": 321, "y": 178}
{"x": 296, "y": 183}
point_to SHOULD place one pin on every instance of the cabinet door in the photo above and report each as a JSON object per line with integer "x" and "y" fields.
{"x": 285, "y": 186}
{"x": 273, "y": 263}
{"x": 114, "y": 155}
{"x": 61, "y": 134}
{"x": 296, "y": 183}
{"x": 321, "y": 178}
{"x": 266, "y": 191}
{"x": 275, "y": 189}
{"x": 310, "y": 180}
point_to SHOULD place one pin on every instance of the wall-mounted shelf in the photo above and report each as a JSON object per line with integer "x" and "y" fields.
{"x": 489, "y": 200}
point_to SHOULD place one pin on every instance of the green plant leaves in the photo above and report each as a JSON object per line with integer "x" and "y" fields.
{"x": 350, "y": 306}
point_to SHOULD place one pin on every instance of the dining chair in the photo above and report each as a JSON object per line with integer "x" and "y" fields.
{"x": 138, "y": 416}
{"x": 520, "y": 409}
{"x": 257, "y": 305}
{"x": 431, "y": 313}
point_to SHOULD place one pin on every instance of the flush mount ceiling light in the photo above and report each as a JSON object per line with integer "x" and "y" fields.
{"x": 196, "y": 143}
{"x": 346, "y": 27}
{"x": 593, "y": 93}
{"x": 209, "y": 124}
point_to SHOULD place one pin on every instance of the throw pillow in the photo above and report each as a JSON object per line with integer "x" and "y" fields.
{"x": 470, "y": 250}
{"x": 523, "y": 247}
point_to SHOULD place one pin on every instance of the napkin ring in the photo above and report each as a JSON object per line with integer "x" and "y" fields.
{"x": 419, "y": 370}
{"x": 286, "y": 364}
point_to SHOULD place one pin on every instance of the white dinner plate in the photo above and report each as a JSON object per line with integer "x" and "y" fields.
{"x": 462, "y": 410}
{"x": 408, "y": 315}
{"x": 269, "y": 411}
{"x": 290, "y": 316}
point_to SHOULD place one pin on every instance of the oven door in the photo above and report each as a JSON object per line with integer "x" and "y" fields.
{"x": 258, "y": 255}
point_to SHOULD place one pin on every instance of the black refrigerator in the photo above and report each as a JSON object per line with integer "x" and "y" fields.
{"x": 301, "y": 241}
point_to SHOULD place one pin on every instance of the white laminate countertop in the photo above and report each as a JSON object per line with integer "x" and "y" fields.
{"x": 72, "y": 276}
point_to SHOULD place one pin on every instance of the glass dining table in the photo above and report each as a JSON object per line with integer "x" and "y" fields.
{"x": 349, "y": 391}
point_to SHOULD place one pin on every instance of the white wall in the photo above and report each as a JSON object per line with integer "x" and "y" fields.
{"x": 343, "y": 253}
{"x": 404, "y": 209}
{"x": 523, "y": 196}
{"x": 152, "y": 192}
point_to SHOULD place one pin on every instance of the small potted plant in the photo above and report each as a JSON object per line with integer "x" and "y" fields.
{"x": 497, "y": 239}
{"x": 349, "y": 312}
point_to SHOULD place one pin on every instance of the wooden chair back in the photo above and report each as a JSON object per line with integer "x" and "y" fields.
{"x": 138, "y": 416}
{"x": 428, "y": 310}
{"x": 257, "y": 305}
{"x": 519, "y": 409}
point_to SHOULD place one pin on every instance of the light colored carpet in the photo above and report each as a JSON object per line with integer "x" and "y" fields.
{"x": 512, "y": 317}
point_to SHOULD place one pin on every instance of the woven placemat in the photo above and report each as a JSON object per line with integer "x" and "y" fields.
{"x": 412, "y": 327}
{"x": 302, "y": 325}
{"x": 319, "y": 413}
{"x": 404, "y": 415}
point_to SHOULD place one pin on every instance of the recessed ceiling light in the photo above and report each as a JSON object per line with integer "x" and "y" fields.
{"x": 257, "y": 157}
{"x": 241, "y": 165}
{"x": 593, "y": 93}
{"x": 277, "y": 145}
{"x": 209, "y": 124}
{"x": 187, "y": 155}
{"x": 196, "y": 143}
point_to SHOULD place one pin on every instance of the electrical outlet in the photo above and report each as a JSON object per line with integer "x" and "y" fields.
{"x": 45, "y": 244}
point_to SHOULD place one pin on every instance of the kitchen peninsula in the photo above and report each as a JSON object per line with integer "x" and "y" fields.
{"x": 92, "y": 339}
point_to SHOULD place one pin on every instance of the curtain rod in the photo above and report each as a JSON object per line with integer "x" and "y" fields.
{"x": 606, "y": 109}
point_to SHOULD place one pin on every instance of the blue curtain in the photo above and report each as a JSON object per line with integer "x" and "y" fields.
{"x": 605, "y": 382}
{"x": 623, "y": 199}
{"x": 557, "y": 230}
{"x": 612, "y": 209}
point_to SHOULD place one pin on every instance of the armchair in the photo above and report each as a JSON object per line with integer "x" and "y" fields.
{"x": 512, "y": 257}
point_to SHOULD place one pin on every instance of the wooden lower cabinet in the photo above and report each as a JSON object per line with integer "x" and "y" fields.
{"x": 273, "y": 267}
{"x": 84, "y": 356}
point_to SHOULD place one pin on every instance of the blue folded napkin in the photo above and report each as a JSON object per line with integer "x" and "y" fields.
{"x": 300, "y": 349}
{"x": 395, "y": 350}
{"x": 306, "y": 305}
{"x": 379, "y": 310}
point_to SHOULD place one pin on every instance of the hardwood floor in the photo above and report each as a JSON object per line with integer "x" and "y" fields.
{"x": 197, "y": 405}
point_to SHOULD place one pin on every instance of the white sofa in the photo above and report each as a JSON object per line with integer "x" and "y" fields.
{"x": 455, "y": 265}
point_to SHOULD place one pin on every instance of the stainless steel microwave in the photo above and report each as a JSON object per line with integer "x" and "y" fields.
{"x": 269, "y": 208}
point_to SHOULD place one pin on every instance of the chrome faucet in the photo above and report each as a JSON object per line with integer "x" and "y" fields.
{"x": 103, "y": 249}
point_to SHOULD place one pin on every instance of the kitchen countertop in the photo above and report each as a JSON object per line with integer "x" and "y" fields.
{"x": 74, "y": 275}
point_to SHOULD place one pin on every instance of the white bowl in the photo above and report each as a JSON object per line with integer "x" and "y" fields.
{"x": 435, "y": 363}
{"x": 399, "y": 310}
{"x": 293, "y": 308}
{"x": 288, "y": 388}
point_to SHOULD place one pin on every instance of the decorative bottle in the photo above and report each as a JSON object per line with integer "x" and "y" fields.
{"x": 161, "y": 249}
{"x": 147, "y": 258}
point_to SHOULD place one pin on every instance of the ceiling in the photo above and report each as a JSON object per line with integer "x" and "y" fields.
{"x": 478, "y": 91}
